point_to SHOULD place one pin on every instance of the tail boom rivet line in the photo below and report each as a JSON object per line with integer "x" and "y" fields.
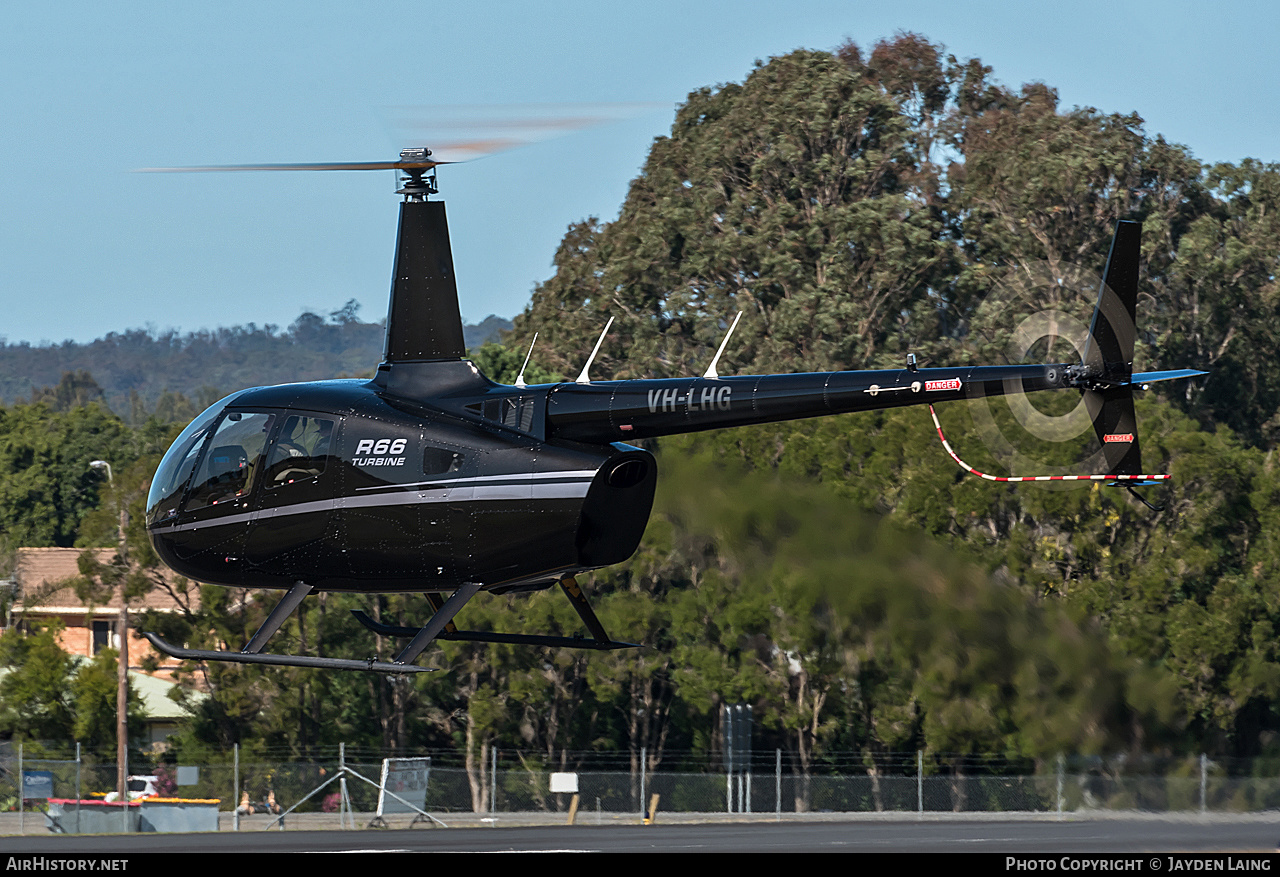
{"x": 1020, "y": 478}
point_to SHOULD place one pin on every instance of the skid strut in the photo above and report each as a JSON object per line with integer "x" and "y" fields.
{"x": 434, "y": 627}
{"x": 252, "y": 652}
{"x": 440, "y": 626}
{"x": 277, "y": 617}
{"x": 447, "y": 631}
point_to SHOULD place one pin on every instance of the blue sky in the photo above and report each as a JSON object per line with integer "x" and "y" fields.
{"x": 92, "y": 92}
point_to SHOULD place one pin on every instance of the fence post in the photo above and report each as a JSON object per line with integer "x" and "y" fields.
{"x": 777, "y": 785}
{"x": 643, "y": 810}
{"x": 342, "y": 787}
{"x": 77, "y": 787}
{"x": 1204, "y": 770}
{"x": 1060, "y": 770}
{"x": 235, "y": 794}
{"x": 493, "y": 780}
{"x": 22, "y": 828}
{"x": 919, "y": 781}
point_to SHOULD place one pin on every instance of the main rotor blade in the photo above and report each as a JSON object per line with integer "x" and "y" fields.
{"x": 459, "y": 151}
{"x": 331, "y": 166}
{"x": 499, "y": 127}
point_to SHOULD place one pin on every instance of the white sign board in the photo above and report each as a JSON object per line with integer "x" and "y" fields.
{"x": 406, "y": 779}
{"x": 564, "y": 782}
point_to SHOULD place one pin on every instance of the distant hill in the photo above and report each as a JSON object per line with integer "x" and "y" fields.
{"x": 136, "y": 367}
{"x": 488, "y": 329}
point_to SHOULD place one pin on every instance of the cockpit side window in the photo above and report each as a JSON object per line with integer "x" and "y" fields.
{"x": 301, "y": 451}
{"x": 437, "y": 461}
{"x": 226, "y": 472}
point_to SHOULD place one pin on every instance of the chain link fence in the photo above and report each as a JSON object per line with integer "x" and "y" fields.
{"x": 908, "y": 782}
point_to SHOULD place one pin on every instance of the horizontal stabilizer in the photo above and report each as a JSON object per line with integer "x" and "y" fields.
{"x": 1173, "y": 375}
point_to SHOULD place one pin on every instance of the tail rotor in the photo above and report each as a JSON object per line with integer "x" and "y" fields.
{"x": 1104, "y": 371}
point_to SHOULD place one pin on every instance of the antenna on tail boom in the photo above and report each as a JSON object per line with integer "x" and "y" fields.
{"x": 520, "y": 377}
{"x": 584, "y": 377}
{"x": 711, "y": 369}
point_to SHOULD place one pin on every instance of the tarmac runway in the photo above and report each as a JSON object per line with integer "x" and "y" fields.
{"x": 1026, "y": 834}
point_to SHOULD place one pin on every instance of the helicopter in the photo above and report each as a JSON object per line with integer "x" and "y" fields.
{"x": 431, "y": 478}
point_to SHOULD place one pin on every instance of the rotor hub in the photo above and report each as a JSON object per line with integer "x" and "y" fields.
{"x": 421, "y": 181}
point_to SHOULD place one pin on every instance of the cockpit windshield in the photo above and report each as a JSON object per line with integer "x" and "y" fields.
{"x": 170, "y": 482}
{"x": 227, "y": 469}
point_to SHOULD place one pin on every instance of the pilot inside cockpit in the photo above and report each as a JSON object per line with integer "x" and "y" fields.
{"x": 301, "y": 450}
{"x": 226, "y": 472}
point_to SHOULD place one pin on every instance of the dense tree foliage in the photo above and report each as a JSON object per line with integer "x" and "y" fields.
{"x": 856, "y": 207}
{"x": 858, "y": 210}
{"x": 48, "y": 695}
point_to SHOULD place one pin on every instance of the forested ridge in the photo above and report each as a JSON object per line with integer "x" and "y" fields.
{"x": 143, "y": 371}
{"x": 839, "y": 574}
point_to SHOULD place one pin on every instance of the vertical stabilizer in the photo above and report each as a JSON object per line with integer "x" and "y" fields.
{"x": 1116, "y": 426}
{"x": 1109, "y": 354}
{"x": 1109, "y": 349}
{"x": 423, "y": 322}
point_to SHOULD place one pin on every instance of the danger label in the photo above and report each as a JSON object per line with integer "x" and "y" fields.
{"x": 1126, "y": 437}
{"x": 952, "y": 384}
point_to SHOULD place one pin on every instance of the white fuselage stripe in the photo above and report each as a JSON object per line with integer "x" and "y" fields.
{"x": 457, "y": 491}
{"x": 576, "y": 475}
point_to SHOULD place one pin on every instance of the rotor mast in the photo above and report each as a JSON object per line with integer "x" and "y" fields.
{"x": 421, "y": 171}
{"x": 424, "y": 323}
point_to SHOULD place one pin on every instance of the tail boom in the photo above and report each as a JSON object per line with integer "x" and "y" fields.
{"x": 611, "y": 411}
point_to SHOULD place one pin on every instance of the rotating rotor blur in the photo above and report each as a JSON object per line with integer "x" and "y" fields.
{"x": 459, "y": 133}
{"x": 1042, "y": 312}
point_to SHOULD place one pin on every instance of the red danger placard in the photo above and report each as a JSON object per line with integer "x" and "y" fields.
{"x": 1126, "y": 437}
{"x": 953, "y": 384}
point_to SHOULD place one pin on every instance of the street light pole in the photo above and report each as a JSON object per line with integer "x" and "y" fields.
{"x": 122, "y": 662}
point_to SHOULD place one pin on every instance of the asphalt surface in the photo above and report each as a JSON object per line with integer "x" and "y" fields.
{"x": 707, "y": 833}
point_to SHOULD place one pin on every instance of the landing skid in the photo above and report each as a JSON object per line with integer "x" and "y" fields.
{"x": 439, "y": 627}
{"x": 600, "y": 639}
{"x": 252, "y": 652}
{"x": 475, "y": 636}
{"x": 282, "y": 660}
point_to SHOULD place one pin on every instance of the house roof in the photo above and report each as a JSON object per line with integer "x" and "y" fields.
{"x": 154, "y": 692}
{"x": 40, "y": 572}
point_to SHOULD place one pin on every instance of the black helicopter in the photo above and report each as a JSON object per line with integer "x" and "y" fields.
{"x": 432, "y": 478}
